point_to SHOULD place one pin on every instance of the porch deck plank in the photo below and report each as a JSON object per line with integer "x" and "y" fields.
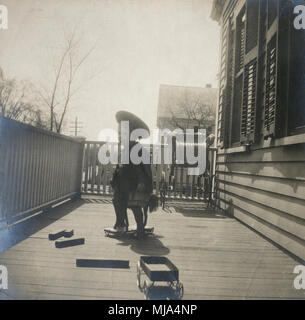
{"x": 217, "y": 257}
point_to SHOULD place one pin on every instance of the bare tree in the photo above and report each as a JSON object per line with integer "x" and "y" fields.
{"x": 58, "y": 96}
{"x": 18, "y": 103}
{"x": 192, "y": 112}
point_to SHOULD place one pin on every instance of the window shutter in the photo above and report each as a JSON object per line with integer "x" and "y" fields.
{"x": 240, "y": 40}
{"x": 235, "y": 127}
{"x": 252, "y": 24}
{"x": 277, "y": 69}
{"x": 272, "y": 11}
{"x": 229, "y": 87}
{"x": 296, "y": 109}
{"x": 222, "y": 84}
{"x": 270, "y": 95}
{"x": 226, "y": 79}
{"x": 221, "y": 120}
{"x": 248, "y": 113}
{"x": 249, "y": 93}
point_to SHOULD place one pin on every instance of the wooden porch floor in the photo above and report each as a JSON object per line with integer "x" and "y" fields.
{"x": 217, "y": 257}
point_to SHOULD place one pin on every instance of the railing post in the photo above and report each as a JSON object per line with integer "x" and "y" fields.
{"x": 81, "y": 162}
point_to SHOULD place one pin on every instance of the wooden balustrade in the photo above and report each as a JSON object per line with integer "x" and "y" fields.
{"x": 172, "y": 180}
{"x": 96, "y": 177}
{"x": 38, "y": 169}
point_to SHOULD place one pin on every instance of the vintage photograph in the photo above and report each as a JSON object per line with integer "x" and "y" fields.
{"x": 152, "y": 150}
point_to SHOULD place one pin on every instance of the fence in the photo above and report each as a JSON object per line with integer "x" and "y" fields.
{"x": 38, "y": 169}
{"x": 170, "y": 181}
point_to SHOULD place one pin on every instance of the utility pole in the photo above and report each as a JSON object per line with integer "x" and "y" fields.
{"x": 76, "y": 127}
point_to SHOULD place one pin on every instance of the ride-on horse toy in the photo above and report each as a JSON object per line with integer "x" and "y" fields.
{"x": 132, "y": 231}
{"x": 140, "y": 206}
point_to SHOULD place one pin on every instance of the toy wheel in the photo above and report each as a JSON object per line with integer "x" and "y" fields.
{"x": 139, "y": 276}
{"x": 145, "y": 288}
{"x": 179, "y": 290}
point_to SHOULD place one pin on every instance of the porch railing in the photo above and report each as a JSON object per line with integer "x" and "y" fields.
{"x": 171, "y": 181}
{"x": 38, "y": 168}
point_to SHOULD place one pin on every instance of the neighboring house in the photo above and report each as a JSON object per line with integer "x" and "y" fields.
{"x": 260, "y": 165}
{"x": 187, "y": 107}
{"x": 183, "y": 108}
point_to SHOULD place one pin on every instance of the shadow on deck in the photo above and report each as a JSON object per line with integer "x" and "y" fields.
{"x": 196, "y": 210}
{"x": 217, "y": 257}
{"x": 21, "y": 231}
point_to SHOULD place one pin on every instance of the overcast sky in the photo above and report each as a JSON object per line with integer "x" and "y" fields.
{"x": 140, "y": 44}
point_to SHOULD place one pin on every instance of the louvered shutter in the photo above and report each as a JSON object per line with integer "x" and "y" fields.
{"x": 224, "y": 110}
{"x": 222, "y": 84}
{"x": 229, "y": 87}
{"x": 249, "y": 92}
{"x": 276, "y": 68}
{"x": 240, "y": 40}
{"x": 235, "y": 128}
{"x": 253, "y": 7}
{"x": 248, "y": 112}
{"x": 270, "y": 90}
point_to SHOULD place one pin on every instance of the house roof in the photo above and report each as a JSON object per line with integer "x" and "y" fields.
{"x": 172, "y": 98}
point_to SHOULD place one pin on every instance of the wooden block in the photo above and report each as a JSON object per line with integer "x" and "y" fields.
{"x": 63, "y": 233}
{"x": 57, "y": 235}
{"x": 89, "y": 263}
{"x": 69, "y": 243}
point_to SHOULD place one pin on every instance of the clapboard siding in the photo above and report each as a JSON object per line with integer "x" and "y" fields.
{"x": 282, "y": 203}
{"x": 265, "y": 189}
{"x": 286, "y": 240}
{"x": 287, "y": 170}
{"x": 284, "y": 221}
{"x": 292, "y": 188}
{"x": 293, "y": 153}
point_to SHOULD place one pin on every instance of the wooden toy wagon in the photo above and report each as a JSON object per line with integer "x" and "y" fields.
{"x": 158, "y": 269}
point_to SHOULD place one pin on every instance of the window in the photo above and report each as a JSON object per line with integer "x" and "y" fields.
{"x": 263, "y": 74}
{"x": 239, "y": 108}
{"x": 284, "y": 105}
